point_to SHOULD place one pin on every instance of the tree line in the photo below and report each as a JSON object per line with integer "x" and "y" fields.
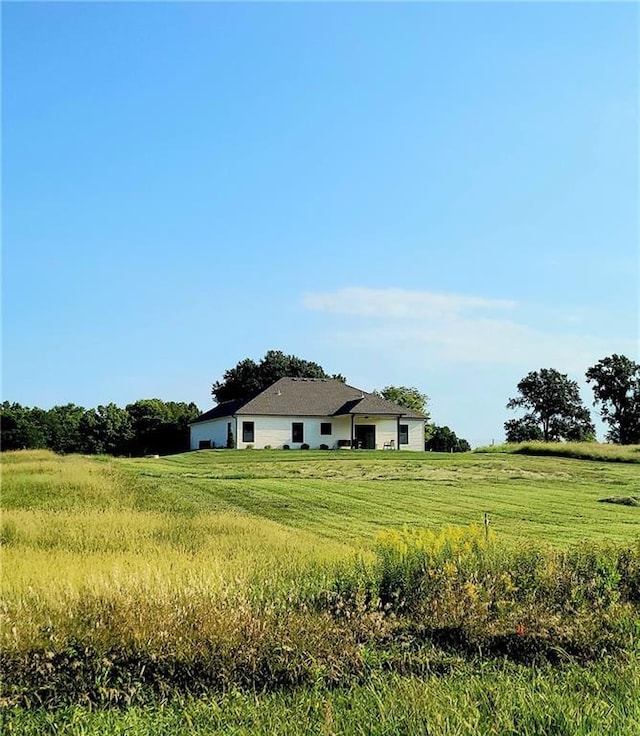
{"x": 555, "y": 411}
{"x": 147, "y": 426}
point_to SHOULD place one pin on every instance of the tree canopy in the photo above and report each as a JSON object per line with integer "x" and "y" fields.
{"x": 159, "y": 427}
{"x": 23, "y": 427}
{"x": 63, "y": 424}
{"x": 107, "y": 430}
{"x": 522, "y": 430}
{"x": 616, "y": 387}
{"x": 248, "y": 377}
{"x": 407, "y": 396}
{"x": 554, "y": 407}
{"x": 443, "y": 439}
{"x": 144, "y": 427}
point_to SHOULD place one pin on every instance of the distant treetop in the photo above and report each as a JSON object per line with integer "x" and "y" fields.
{"x": 248, "y": 377}
{"x": 407, "y": 396}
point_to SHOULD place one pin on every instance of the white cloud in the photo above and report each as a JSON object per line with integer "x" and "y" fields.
{"x": 456, "y": 329}
{"x": 399, "y": 303}
{"x": 466, "y": 352}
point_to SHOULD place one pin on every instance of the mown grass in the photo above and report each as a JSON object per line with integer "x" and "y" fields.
{"x": 302, "y": 592}
{"x": 349, "y": 496}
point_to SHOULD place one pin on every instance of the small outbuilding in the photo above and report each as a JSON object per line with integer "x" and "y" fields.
{"x": 310, "y": 412}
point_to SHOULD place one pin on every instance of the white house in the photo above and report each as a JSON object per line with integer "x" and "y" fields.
{"x": 310, "y": 411}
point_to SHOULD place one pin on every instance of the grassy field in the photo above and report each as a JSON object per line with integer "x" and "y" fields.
{"x": 577, "y": 450}
{"x": 321, "y": 592}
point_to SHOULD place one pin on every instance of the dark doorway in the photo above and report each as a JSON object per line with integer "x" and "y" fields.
{"x": 365, "y": 436}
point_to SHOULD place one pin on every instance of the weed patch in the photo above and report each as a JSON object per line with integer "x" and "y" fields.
{"x": 622, "y": 500}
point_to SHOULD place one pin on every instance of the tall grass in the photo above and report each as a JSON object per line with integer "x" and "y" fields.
{"x": 40, "y": 479}
{"x": 578, "y": 450}
{"x": 454, "y": 590}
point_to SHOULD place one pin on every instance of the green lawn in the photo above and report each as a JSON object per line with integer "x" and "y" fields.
{"x": 470, "y": 702}
{"x": 345, "y": 495}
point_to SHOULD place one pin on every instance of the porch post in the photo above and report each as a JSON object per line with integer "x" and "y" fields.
{"x": 352, "y": 423}
{"x": 398, "y": 433}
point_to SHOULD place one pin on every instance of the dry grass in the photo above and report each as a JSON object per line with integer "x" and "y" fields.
{"x": 598, "y": 451}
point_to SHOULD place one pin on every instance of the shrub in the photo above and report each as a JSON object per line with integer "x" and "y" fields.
{"x": 286, "y": 447}
{"x": 267, "y": 447}
{"x": 324, "y": 447}
{"x": 304, "y": 446}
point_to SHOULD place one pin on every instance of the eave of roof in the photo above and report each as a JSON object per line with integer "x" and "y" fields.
{"x": 225, "y": 409}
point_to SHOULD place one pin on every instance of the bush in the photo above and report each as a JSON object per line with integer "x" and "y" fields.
{"x": 286, "y": 447}
{"x": 304, "y": 446}
{"x": 324, "y": 447}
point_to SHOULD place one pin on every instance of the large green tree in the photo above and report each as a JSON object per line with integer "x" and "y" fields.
{"x": 248, "y": 377}
{"x": 553, "y": 404}
{"x": 443, "y": 439}
{"x": 63, "y": 423}
{"x": 106, "y": 430}
{"x": 407, "y": 396}
{"x": 160, "y": 427}
{"x": 522, "y": 430}
{"x": 23, "y": 428}
{"x": 616, "y": 387}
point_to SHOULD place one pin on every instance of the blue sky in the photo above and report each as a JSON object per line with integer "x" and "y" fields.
{"x": 437, "y": 195}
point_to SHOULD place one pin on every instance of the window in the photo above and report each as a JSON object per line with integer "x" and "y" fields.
{"x": 325, "y": 427}
{"x": 248, "y": 432}
{"x": 297, "y": 432}
{"x": 404, "y": 434}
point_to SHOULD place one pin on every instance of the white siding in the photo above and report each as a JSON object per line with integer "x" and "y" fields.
{"x": 387, "y": 431}
{"x": 276, "y": 431}
{"x": 416, "y": 434}
{"x": 215, "y": 431}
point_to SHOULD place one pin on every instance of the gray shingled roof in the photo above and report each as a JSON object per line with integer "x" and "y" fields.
{"x": 321, "y": 397}
{"x": 225, "y": 409}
